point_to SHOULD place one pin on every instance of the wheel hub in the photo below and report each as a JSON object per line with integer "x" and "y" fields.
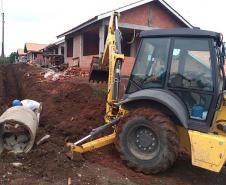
{"x": 146, "y": 139}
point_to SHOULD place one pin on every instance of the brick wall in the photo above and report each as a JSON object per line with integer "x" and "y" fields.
{"x": 127, "y": 66}
{"x": 39, "y": 59}
{"x": 151, "y": 14}
{"x": 141, "y": 17}
{"x": 160, "y": 17}
{"x": 39, "y": 56}
{"x": 85, "y": 62}
{"x": 77, "y": 46}
{"x": 69, "y": 61}
{"x": 76, "y": 50}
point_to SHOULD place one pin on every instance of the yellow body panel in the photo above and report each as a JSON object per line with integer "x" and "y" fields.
{"x": 92, "y": 145}
{"x": 208, "y": 150}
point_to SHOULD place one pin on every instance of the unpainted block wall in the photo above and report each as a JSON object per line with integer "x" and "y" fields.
{"x": 151, "y": 14}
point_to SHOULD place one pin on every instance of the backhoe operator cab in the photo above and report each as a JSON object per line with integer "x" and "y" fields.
{"x": 175, "y": 99}
{"x": 183, "y": 66}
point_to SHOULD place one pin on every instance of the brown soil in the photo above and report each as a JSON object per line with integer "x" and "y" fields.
{"x": 71, "y": 108}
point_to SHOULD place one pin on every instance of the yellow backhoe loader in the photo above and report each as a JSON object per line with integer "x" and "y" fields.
{"x": 174, "y": 99}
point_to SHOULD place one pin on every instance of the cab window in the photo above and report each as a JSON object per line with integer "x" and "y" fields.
{"x": 191, "y": 65}
{"x": 151, "y": 64}
{"x": 191, "y": 75}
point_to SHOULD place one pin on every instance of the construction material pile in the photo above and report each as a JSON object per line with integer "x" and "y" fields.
{"x": 70, "y": 110}
{"x": 67, "y": 73}
{"x": 72, "y": 107}
{"x": 76, "y": 71}
{"x": 73, "y": 71}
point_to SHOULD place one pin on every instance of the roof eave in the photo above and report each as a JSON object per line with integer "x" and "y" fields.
{"x": 87, "y": 23}
{"x": 122, "y": 9}
{"x": 32, "y": 51}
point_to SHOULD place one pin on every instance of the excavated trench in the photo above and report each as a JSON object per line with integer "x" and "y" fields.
{"x": 11, "y": 85}
{"x": 71, "y": 108}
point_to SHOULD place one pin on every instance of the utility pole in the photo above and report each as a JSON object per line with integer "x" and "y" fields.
{"x": 3, "y": 30}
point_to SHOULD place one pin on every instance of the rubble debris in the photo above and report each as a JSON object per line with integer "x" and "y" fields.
{"x": 16, "y": 164}
{"x": 79, "y": 175}
{"x": 52, "y": 75}
{"x": 69, "y": 181}
{"x": 72, "y": 71}
{"x": 43, "y": 139}
{"x": 49, "y": 74}
{"x": 56, "y": 77}
{"x": 76, "y": 71}
{"x": 62, "y": 67}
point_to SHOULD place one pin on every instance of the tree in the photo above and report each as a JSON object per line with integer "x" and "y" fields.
{"x": 12, "y": 57}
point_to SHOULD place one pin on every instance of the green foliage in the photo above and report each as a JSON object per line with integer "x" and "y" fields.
{"x": 8, "y": 60}
{"x": 12, "y": 57}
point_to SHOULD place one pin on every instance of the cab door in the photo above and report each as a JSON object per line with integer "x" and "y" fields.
{"x": 190, "y": 77}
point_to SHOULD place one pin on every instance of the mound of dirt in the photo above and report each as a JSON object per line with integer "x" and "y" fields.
{"x": 71, "y": 108}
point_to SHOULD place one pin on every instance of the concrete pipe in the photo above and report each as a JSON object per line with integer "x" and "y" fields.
{"x": 18, "y": 127}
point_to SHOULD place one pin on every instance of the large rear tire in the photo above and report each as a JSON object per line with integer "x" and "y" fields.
{"x": 147, "y": 141}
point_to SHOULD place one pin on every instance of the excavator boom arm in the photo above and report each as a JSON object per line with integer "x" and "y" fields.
{"x": 110, "y": 62}
{"x": 113, "y": 58}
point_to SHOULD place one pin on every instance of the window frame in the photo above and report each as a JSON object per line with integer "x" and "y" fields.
{"x": 193, "y": 123}
{"x": 135, "y": 63}
{"x": 170, "y": 64}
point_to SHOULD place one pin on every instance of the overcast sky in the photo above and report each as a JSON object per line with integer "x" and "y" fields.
{"x": 41, "y": 21}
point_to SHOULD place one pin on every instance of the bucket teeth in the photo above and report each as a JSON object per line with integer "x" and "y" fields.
{"x": 98, "y": 76}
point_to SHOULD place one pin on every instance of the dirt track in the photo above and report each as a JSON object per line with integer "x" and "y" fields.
{"x": 71, "y": 108}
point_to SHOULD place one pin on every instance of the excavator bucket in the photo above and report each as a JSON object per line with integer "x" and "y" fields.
{"x": 96, "y": 73}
